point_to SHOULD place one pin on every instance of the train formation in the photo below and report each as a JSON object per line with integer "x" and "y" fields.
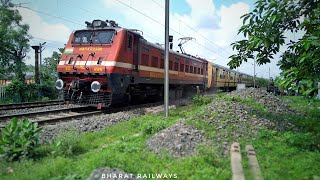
{"x": 106, "y": 64}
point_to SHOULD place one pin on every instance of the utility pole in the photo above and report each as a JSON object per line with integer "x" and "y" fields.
{"x": 166, "y": 61}
{"x": 40, "y": 52}
{"x": 36, "y": 64}
{"x": 254, "y": 73}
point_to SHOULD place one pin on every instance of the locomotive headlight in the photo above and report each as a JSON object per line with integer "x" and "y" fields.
{"x": 95, "y": 86}
{"x": 59, "y": 84}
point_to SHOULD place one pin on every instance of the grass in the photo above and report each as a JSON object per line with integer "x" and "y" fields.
{"x": 290, "y": 154}
{"x": 282, "y": 155}
{"x": 121, "y": 146}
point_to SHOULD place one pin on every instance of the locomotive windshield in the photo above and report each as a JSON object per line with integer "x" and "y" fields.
{"x": 93, "y": 37}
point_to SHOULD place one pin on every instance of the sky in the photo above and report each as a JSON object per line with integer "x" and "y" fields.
{"x": 213, "y": 23}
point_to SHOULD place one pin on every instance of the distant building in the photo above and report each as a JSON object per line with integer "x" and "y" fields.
{"x": 29, "y": 79}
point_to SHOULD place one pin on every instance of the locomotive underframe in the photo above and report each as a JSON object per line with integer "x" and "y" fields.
{"x": 124, "y": 89}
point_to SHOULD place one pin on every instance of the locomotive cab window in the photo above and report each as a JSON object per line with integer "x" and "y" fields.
{"x": 93, "y": 37}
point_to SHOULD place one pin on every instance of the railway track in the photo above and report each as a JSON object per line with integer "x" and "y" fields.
{"x": 29, "y": 105}
{"x": 53, "y": 116}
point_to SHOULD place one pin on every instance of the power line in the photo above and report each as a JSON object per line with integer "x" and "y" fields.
{"x": 85, "y": 10}
{"x": 194, "y": 30}
{"x": 53, "y": 42}
{"x": 76, "y": 23}
{"x": 163, "y": 25}
{"x": 67, "y": 20}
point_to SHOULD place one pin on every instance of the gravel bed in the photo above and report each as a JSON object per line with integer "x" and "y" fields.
{"x": 234, "y": 122}
{"x": 35, "y": 109}
{"x": 85, "y": 124}
{"x": 99, "y": 122}
{"x": 179, "y": 140}
{"x": 269, "y": 100}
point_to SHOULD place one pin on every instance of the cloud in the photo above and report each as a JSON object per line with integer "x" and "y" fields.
{"x": 54, "y": 34}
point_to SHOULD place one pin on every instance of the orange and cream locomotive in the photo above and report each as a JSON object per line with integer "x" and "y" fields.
{"x": 105, "y": 64}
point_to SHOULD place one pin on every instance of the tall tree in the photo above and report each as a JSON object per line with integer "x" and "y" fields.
{"x": 14, "y": 39}
{"x": 49, "y": 71}
{"x": 265, "y": 30}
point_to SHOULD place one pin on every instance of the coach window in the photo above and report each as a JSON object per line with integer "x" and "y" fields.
{"x": 176, "y": 66}
{"x": 154, "y": 61}
{"x": 221, "y": 74}
{"x": 191, "y": 69}
{"x": 145, "y": 59}
{"x": 195, "y": 70}
{"x": 201, "y": 71}
{"x": 198, "y": 70}
{"x": 182, "y": 67}
{"x": 129, "y": 42}
{"x": 162, "y": 64}
{"x": 187, "y": 69}
{"x": 170, "y": 65}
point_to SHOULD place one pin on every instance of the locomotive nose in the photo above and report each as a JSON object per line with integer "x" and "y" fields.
{"x": 59, "y": 84}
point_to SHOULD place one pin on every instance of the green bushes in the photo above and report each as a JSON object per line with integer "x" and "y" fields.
{"x": 201, "y": 100}
{"x": 19, "y": 139}
{"x": 151, "y": 127}
{"x": 305, "y": 141}
{"x": 67, "y": 142}
{"x": 18, "y": 91}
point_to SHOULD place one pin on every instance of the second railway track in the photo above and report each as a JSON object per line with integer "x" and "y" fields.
{"x": 29, "y": 105}
{"x": 52, "y": 116}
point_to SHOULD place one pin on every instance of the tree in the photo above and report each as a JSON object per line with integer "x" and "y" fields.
{"x": 265, "y": 30}
{"x": 14, "y": 39}
{"x": 49, "y": 71}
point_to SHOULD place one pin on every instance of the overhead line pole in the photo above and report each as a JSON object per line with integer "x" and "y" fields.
{"x": 254, "y": 73}
{"x": 166, "y": 62}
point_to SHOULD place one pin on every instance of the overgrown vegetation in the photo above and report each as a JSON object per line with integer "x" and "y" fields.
{"x": 14, "y": 40}
{"x": 67, "y": 142}
{"x": 201, "y": 100}
{"x": 19, "y": 139}
{"x": 266, "y": 30}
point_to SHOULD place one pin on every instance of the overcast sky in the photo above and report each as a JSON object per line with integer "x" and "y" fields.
{"x": 213, "y": 23}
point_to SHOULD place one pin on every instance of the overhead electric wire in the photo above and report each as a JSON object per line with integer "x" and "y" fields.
{"x": 47, "y": 40}
{"x": 85, "y": 10}
{"x": 41, "y": 12}
{"x": 194, "y": 30}
{"x": 76, "y": 23}
{"x": 164, "y": 25}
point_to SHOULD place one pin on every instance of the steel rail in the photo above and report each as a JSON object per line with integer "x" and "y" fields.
{"x": 29, "y": 105}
